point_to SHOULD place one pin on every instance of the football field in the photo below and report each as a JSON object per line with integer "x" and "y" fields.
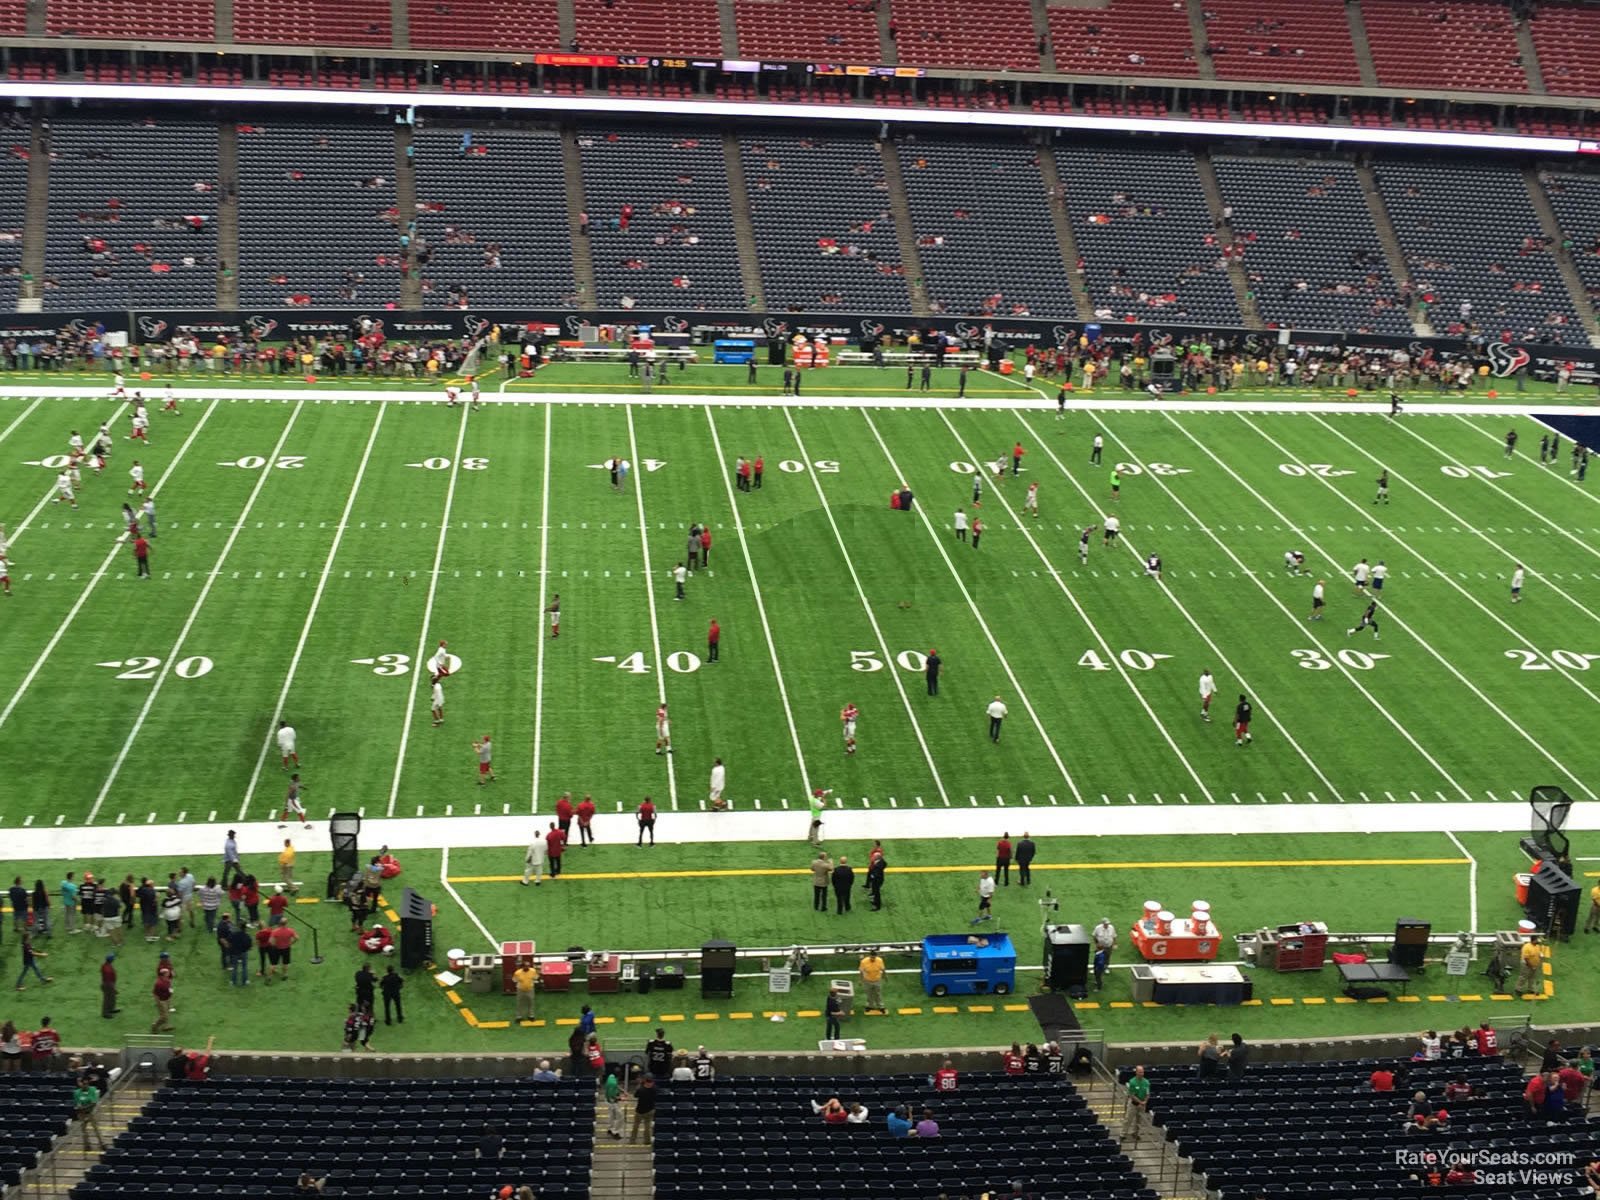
{"x": 314, "y": 547}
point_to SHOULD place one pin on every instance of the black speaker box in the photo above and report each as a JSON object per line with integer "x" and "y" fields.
{"x": 1553, "y": 899}
{"x": 776, "y": 350}
{"x": 717, "y": 961}
{"x": 1410, "y": 943}
{"x": 416, "y": 931}
{"x": 1066, "y": 958}
{"x": 669, "y": 978}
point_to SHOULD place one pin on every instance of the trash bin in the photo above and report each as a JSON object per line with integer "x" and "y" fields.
{"x": 483, "y": 973}
{"x": 847, "y": 996}
{"x": 1524, "y": 881}
{"x": 1144, "y": 984}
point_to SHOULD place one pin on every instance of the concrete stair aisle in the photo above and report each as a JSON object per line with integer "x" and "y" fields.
{"x": 1391, "y": 242}
{"x": 566, "y": 23}
{"x": 34, "y": 221}
{"x": 1168, "y": 1175}
{"x": 888, "y": 52}
{"x": 1236, "y": 272}
{"x": 900, "y": 209}
{"x": 1041, "y": 34}
{"x": 728, "y": 25}
{"x": 1551, "y": 228}
{"x": 1197, "y": 32}
{"x": 1050, "y": 173}
{"x": 400, "y": 23}
{"x": 743, "y": 228}
{"x": 1357, "y": 21}
{"x": 582, "y": 256}
{"x": 224, "y": 21}
{"x": 1531, "y": 65}
{"x": 66, "y": 1165}
{"x": 405, "y": 199}
{"x": 618, "y": 1170}
{"x": 228, "y": 215}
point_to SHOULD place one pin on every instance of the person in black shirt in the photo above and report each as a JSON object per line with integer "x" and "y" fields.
{"x": 927, "y": 377}
{"x": 1238, "y": 1056}
{"x": 1054, "y": 1061}
{"x": 875, "y": 873}
{"x": 366, "y": 983}
{"x": 147, "y": 909}
{"x": 704, "y": 1072}
{"x": 1241, "y": 721}
{"x": 1033, "y": 1061}
{"x": 390, "y": 985}
{"x": 934, "y": 663}
{"x": 844, "y": 882}
{"x": 658, "y": 1055}
{"x": 1024, "y": 856}
{"x": 1368, "y": 618}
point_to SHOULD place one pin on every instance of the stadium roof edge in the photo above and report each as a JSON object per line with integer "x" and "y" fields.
{"x": 636, "y": 106}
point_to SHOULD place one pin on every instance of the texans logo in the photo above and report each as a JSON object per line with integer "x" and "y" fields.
{"x": 574, "y": 324}
{"x": 1416, "y": 349}
{"x": 871, "y": 328}
{"x": 476, "y": 326}
{"x": 1252, "y": 345}
{"x": 674, "y": 324}
{"x": 260, "y": 327}
{"x": 965, "y": 330}
{"x": 1507, "y": 359}
{"x": 1062, "y": 335}
{"x": 1159, "y": 337}
{"x": 152, "y": 327}
{"x": 76, "y": 327}
{"x": 774, "y": 328}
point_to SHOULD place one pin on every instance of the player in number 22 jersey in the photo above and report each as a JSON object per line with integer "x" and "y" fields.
{"x": 663, "y": 731}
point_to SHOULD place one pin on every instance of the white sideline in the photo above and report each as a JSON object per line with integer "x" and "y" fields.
{"x": 305, "y": 629}
{"x": 544, "y": 591}
{"x": 1293, "y": 400}
{"x": 419, "y": 661}
{"x": 171, "y": 659}
{"x": 1215, "y": 823}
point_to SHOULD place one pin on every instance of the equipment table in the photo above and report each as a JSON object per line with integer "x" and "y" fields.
{"x": 1380, "y": 973}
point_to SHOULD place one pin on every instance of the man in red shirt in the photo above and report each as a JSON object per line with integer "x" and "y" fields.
{"x": 46, "y": 1041}
{"x": 564, "y": 812}
{"x": 647, "y": 821}
{"x": 1016, "y": 458}
{"x": 1488, "y": 1040}
{"x": 713, "y": 641}
{"x": 705, "y": 545}
{"x": 277, "y": 906}
{"x": 1382, "y": 1080}
{"x": 555, "y": 842}
{"x": 163, "y": 997}
{"x": 108, "y": 987}
{"x": 585, "y": 817}
{"x": 755, "y": 472}
{"x": 280, "y": 941}
{"x": 945, "y": 1078}
{"x": 1533, "y": 1095}
{"x": 1002, "y": 859}
{"x": 141, "y": 556}
{"x": 1573, "y": 1081}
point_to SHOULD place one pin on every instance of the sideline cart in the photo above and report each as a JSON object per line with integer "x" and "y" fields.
{"x": 968, "y": 964}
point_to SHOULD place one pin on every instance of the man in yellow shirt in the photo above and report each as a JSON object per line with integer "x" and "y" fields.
{"x": 1593, "y": 921}
{"x": 872, "y": 982}
{"x": 286, "y": 865}
{"x": 1532, "y": 966}
{"x": 525, "y": 977}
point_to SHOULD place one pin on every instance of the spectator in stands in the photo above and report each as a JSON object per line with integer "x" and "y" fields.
{"x": 1553, "y": 1058}
{"x": 1533, "y": 1096}
{"x": 1431, "y": 1048}
{"x": 836, "y": 1112}
{"x": 1457, "y": 1089}
{"x": 899, "y": 1122}
{"x": 311, "y": 1185}
{"x": 945, "y": 1079}
{"x": 1381, "y": 1079}
{"x": 682, "y": 1072}
{"x": 1238, "y": 1058}
{"x": 927, "y": 1127}
{"x": 658, "y": 1055}
{"x": 543, "y": 1073}
{"x": 704, "y": 1069}
{"x": 1138, "y": 1092}
{"x": 1573, "y": 1084}
{"x": 490, "y": 1144}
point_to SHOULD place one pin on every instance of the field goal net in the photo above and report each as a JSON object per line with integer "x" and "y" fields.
{"x": 1551, "y": 807}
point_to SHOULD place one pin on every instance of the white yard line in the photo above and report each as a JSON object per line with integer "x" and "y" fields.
{"x": 761, "y": 607}
{"x": 420, "y": 658}
{"x": 50, "y": 495}
{"x": 1423, "y": 492}
{"x": 1556, "y": 472}
{"x": 23, "y": 416}
{"x": 1439, "y": 658}
{"x": 1444, "y": 576}
{"x": 97, "y": 576}
{"x": 861, "y": 594}
{"x": 1586, "y": 546}
{"x": 194, "y": 614}
{"x": 1088, "y": 624}
{"x": 542, "y": 590}
{"x": 305, "y": 630}
{"x": 444, "y": 882}
{"x": 1005, "y": 664}
{"x": 1183, "y": 610}
{"x": 1472, "y": 879}
{"x": 1338, "y": 665}
{"x": 638, "y": 473}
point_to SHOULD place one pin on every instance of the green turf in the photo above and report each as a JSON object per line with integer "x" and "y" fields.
{"x": 1452, "y": 713}
{"x": 1249, "y": 881}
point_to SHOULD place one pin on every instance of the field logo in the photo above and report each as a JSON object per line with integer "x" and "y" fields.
{"x": 151, "y": 328}
{"x": 260, "y": 327}
{"x": 1507, "y": 360}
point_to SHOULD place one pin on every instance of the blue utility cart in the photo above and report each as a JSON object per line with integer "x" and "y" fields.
{"x": 960, "y": 964}
{"x": 733, "y": 350}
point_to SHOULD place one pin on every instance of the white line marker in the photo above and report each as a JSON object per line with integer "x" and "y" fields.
{"x": 1472, "y": 880}
{"x": 650, "y": 597}
{"x": 544, "y": 578}
{"x": 305, "y": 629}
{"x": 421, "y": 656}
{"x": 172, "y": 657}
